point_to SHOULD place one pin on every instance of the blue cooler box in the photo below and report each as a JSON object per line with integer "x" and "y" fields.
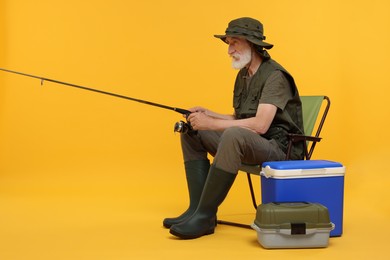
{"x": 314, "y": 181}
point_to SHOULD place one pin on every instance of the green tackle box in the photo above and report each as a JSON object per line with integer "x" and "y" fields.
{"x": 292, "y": 225}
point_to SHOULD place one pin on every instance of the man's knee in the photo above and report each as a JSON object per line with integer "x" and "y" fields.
{"x": 234, "y": 134}
{"x": 233, "y": 139}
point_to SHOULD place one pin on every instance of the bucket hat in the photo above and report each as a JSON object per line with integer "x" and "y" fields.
{"x": 248, "y": 28}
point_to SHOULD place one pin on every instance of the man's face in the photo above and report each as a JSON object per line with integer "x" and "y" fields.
{"x": 240, "y": 50}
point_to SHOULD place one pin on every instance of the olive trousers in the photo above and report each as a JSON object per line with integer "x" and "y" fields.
{"x": 230, "y": 148}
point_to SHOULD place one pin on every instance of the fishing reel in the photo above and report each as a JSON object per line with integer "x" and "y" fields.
{"x": 182, "y": 127}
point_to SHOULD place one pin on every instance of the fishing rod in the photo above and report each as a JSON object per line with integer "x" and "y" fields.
{"x": 182, "y": 127}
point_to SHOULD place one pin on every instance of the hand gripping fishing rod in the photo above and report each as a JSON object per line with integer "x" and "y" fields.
{"x": 182, "y": 127}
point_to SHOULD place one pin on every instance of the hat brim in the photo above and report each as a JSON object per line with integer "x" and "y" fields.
{"x": 247, "y": 37}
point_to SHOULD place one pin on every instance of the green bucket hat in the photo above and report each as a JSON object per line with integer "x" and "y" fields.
{"x": 248, "y": 28}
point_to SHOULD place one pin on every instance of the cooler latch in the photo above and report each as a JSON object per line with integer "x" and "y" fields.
{"x": 298, "y": 228}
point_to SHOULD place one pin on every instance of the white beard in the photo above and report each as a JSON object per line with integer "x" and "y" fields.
{"x": 239, "y": 61}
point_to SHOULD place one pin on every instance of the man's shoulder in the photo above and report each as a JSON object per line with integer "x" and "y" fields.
{"x": 271, "y": 63}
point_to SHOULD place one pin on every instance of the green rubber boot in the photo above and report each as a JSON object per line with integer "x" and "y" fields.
{"x": 203, "y": 221}
{"x": 196, "y": 174}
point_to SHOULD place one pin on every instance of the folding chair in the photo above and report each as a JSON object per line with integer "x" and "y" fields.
{"x": 311, "y": 107}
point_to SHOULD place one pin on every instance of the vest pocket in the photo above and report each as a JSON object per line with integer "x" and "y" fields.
{"x": 253, "y": 103}
{"x": 236, "y": 101}
{"x": 237, "y": 96}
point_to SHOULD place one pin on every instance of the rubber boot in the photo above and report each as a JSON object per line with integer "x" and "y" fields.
{"x": 203, "y": 221}
{"x": 196, "y": 175}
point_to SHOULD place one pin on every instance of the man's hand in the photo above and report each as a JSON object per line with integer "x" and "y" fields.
{"x": 198, "y": 109}
{"x": 200, "y": 120}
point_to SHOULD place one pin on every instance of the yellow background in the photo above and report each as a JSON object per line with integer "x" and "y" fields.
{"x": 88, "y": 176}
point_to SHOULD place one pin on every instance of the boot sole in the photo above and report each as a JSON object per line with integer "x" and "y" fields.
{"x": 184, "y": 236}
{"x": 166, "y": 225}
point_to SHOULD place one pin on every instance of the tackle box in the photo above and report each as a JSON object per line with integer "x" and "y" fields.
{"x": 292, "y": 225}
{"x": 316, "y": 181}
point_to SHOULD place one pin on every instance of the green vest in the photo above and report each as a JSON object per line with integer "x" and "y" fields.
{"x": 286, "y": 121}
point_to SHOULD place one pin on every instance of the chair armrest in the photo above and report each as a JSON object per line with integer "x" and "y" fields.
{"x": 298, "y": 138}
{"x": 293, "y": 138}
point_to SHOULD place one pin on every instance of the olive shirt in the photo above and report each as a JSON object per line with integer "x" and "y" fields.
{"x": 276, "y": 91}
{"x": 271, "y": 84}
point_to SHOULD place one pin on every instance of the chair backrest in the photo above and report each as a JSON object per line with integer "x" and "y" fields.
{"x": 311, "y": 106}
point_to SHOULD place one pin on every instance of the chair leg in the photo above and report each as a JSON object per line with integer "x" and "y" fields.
{"x": 223, "y": 222}
{"x": 234, "y": 224}
{"x": 251, "y": 190}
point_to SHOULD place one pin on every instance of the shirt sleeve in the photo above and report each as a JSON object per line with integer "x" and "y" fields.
{"x": 276, "y": 91}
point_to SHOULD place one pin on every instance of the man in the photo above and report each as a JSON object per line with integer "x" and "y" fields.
{"x": 266, "y": 107}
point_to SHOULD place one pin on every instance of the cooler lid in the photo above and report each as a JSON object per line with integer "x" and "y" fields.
{"x": 302, "y": 169}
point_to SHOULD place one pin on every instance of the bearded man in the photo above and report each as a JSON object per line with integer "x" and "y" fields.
{"x": 266, "y": 107}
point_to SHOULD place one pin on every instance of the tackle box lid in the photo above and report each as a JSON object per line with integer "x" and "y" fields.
{"x": 302, "y": 169}
{"x": 294, "y": 216}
